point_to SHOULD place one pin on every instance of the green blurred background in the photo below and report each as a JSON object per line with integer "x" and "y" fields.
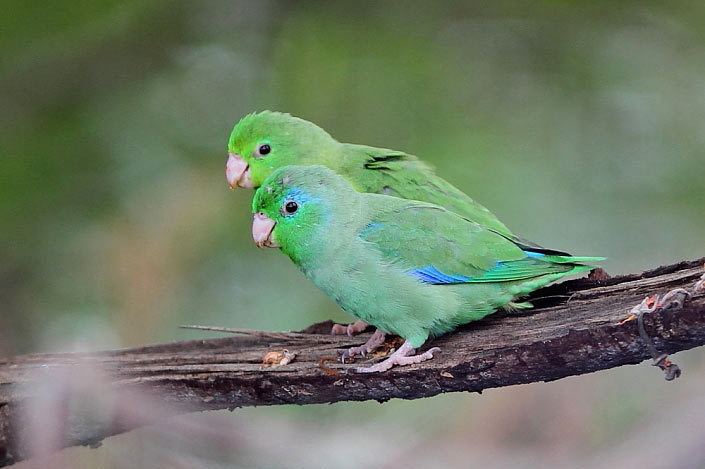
{"x": 581, "y": 124}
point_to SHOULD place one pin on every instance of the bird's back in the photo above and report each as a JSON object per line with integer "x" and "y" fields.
{"x": 398, "y": 174}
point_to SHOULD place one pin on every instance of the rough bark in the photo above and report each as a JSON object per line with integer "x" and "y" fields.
{"x": 574, "y": 329}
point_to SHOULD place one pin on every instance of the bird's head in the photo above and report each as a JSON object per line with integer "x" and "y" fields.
{"x": 262, "y": 142}
{"x": 295, "y": 207}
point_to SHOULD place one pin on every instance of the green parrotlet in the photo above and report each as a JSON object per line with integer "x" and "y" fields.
{"x": 262, "y": 142}
{"x": 407, "y": 267}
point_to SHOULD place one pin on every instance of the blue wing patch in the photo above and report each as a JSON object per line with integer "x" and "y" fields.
{"x": 430, "y": 274}
{"x": 531, "y": 266}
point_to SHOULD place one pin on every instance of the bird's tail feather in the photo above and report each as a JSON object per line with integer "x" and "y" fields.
{"x": 572, "y": 259}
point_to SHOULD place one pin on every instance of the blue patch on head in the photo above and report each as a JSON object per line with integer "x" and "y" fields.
{"x": 297, "y": 195}
{"x": 300, "y": 197}
{"x": 429, "y": 274}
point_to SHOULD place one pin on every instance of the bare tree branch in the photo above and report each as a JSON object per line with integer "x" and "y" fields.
{"x": 50, "y": 401}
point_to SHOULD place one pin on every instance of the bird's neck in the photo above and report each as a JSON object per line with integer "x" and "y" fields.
{"x": 330, "y": 242}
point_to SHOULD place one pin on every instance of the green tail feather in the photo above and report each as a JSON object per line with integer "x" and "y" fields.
{"x": 529, "y": 268}
{"x": 525, "y": 287}
{"x": 572, "y": 259}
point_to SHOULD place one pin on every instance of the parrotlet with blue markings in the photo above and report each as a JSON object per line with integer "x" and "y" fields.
{"x": 264, "y": 141}
{"x": 409, "y": 268}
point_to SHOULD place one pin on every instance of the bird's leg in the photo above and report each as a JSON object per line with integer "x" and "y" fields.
{"x": 351, "y": 329}
{"x": 403, "y": 356}
{"x": 373, "y": 343}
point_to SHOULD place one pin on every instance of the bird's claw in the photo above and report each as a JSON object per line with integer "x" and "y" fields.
{"x": 352, "y": 352}
{"x": 350, "y": 330}
{"x": 402, "y": 357}
{"x": 373, "y": 343}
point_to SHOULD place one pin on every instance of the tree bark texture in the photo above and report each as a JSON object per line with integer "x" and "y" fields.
{"x": 51, "y": 401}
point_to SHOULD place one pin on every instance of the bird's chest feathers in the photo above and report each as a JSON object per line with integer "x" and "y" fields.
{"x": 348, "y": 276}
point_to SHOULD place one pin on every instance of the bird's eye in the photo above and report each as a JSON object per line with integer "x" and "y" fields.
{"x": 264, "y": 149}
{"x": 290, "y": 207}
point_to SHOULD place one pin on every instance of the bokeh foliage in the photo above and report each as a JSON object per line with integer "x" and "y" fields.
{"x": 579, "y": 123}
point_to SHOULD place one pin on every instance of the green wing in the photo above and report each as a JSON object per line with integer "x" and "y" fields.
{"x": 440, "y": 247}
{"x": 390, "y": 172}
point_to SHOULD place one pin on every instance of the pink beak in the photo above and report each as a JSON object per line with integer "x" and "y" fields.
{"x": 262, "y": 227}
{"x": 237, "y": 172}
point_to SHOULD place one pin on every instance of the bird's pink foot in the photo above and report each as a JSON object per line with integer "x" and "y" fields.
{"x": 373, "y": 343}
{"x": 403, "y": 356}
{"x": 351, "y": 329}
